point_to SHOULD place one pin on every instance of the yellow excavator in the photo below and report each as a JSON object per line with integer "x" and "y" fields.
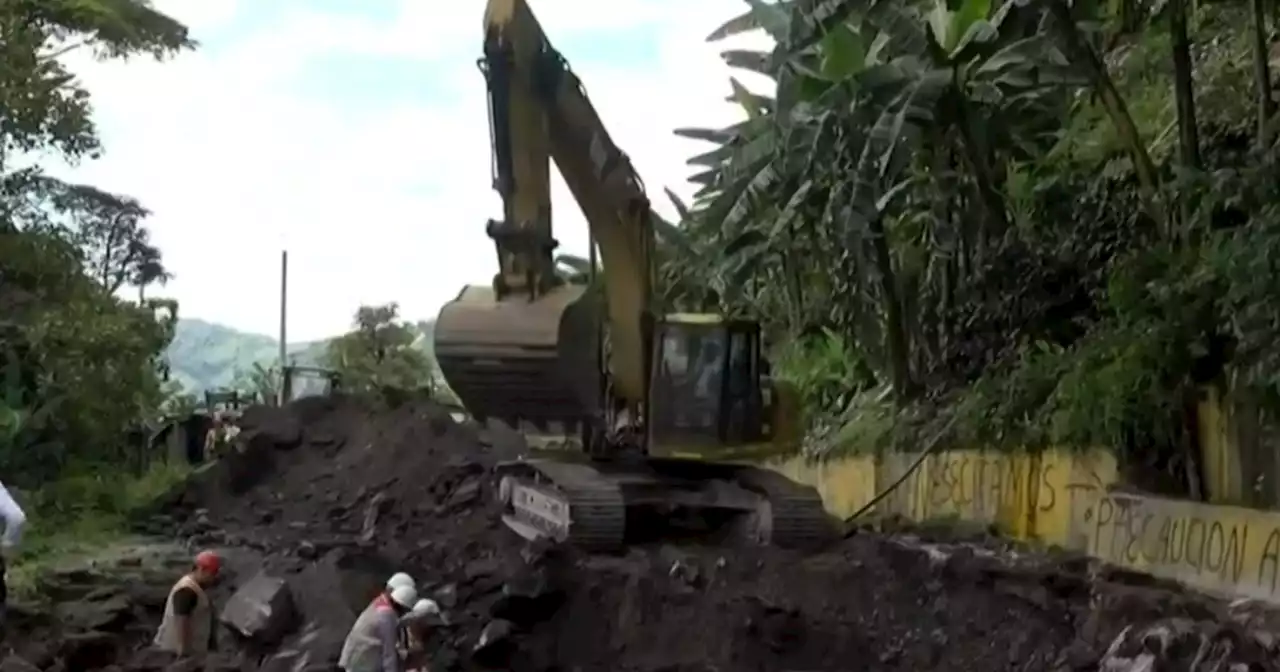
{"x": 667, "y": 406}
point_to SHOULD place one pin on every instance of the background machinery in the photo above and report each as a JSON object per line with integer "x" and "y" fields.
{"x": 664, "y": 403}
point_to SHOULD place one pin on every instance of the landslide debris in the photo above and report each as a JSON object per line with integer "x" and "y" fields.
{"x": 336, "y": 495}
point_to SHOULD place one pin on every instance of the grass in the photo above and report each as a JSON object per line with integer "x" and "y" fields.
{"x": 84, "y": 514}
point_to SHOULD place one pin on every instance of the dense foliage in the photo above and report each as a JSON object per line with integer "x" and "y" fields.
{"x": 82, "y": 372}
{"x": 1049, "y": 222}
{"x": 381, "y": 355}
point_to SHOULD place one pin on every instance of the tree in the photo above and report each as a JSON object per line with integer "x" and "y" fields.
{"x": 969, "y": 196}
{"x": 45, "y": 106}
{"x": 64, "y": 249}
{"x": 107, "y": 228}
{"x": 259, "y": 382}
{"x": 380, "y": 354}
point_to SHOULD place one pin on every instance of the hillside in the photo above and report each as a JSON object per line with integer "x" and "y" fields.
{"x": 206, "y": 355}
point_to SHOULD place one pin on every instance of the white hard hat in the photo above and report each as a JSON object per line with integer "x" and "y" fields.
{"x": 425, "y": 607}
{"x": 400, "y": 579}
{"x": 405, "y": 596}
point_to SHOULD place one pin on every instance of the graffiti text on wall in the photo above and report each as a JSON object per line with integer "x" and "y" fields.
{"x": 1189, "y": 541}
{"x": 1129, "y": 531}
{"x": 961, "y": 480}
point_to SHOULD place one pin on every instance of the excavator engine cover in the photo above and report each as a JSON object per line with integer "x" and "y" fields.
{"x": 522, "y": 361}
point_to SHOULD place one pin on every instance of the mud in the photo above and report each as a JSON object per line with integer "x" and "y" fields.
{"x": 334, "y": 496}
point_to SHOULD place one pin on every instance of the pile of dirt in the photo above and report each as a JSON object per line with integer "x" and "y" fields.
{"x": 337, "y": 496}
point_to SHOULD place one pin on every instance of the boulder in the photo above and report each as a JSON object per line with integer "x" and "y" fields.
{"x": 262, "y": 610}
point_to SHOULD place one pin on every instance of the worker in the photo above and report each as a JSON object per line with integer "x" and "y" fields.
{"x": 212, "y": 436}
{"x": 371, "y": 644}
{"x": 413, "y": 634}
{"x": 187, "y": 628}
{"x": 14, "y": 520}
{"x": 399, "y": 579}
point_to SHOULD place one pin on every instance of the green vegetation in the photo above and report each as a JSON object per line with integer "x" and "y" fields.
{"x": 1049, "y": 222}
{"x": 205, "y": 356}
{"x": 80, "y": 365}
{"x": 381, "y": 352}
{"x": 85, "y": 509}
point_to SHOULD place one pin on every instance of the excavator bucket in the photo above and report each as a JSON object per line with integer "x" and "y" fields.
{"x": 521, "y": 361}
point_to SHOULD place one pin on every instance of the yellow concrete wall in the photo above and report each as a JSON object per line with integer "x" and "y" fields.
{"x": 1028, "y": 496}
{"x": 1225, "y": 549}
{"x": 1221, "y": 456}
{"x": 1066, "y": 500}
{"x": 846, "y": 485}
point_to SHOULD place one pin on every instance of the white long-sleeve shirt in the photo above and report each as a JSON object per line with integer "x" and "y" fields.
{"x": 13, "y": 517}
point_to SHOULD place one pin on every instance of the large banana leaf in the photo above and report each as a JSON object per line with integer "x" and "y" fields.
{"x": 772, "y": 17}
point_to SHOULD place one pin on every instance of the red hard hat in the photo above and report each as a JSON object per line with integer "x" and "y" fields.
{"x": 208, "y": 561}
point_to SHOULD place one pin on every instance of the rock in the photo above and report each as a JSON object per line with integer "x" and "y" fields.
{"x": 526, "y": 600}
{"x": 465, "y": 495}
{"x": 307, "y": 551}
{"x": 110, "y": 614}
{"x": 16, "y": 664}
{"x": 445, "y": 658}
{"x": 284, "y": 434}
{"x": 185, "y": 665}
{"x": 378, "y": 505}
{"x": 286, "y": 661}
{"x": 88, "y": 650}
{"x": 495, "y": 644}
{"x": 447, "y": 596}
{"x": 149, "y": 659}
{"x": 482, "y": 568}
{"x": 262, "y": 610}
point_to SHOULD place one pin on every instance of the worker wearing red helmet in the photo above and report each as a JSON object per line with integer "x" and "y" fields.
{"x": 188, "y": 625}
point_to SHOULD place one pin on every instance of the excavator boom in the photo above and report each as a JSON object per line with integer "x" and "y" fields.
{"x": 535, "y": 349}
{"x": 500, "y": 347}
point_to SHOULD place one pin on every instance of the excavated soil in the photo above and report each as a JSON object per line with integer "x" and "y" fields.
{"x": 335, "y": 496}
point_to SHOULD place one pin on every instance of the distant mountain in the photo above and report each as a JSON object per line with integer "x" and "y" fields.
{"x": 204, "y": 355}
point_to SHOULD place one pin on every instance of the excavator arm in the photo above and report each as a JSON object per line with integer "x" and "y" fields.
{"x": 519, "y": 137}
{"x": 532, "y": 349}
{"x": 497, "y": 347}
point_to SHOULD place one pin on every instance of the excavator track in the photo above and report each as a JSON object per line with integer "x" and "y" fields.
{"x": 796, "y": 516}
{"x": 576, "y": 503}
{"x": 594, "y": 512}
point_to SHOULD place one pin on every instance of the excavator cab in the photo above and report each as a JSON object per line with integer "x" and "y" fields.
{"x": 706, "y": 387}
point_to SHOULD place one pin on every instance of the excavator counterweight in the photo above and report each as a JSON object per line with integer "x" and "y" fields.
{"x": 667, "y": 407}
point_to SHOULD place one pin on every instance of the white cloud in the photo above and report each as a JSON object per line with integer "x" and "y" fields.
{"x": 374, "y": 203}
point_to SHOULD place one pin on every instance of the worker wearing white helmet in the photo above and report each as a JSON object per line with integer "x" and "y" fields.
{"x": 371, "y": 644}
{"x": 399, "y": 579}
{"x": 413, "y": 633}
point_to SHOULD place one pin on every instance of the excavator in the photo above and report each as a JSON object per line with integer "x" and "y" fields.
{"x": 668, "y": 407}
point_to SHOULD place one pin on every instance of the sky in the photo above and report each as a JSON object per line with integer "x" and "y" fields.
{"x": 358, "y": 139}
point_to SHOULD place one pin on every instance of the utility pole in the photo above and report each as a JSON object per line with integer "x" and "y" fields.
{"x": 284, "y": 311}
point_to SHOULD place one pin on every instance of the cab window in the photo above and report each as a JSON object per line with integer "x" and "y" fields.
{"x": 688, "y": 384}
{"x": 740, "y": 401}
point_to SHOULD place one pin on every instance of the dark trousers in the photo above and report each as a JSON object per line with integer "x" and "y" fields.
{"x": 4, "y": 585}
{"x": 4, "y": 597}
